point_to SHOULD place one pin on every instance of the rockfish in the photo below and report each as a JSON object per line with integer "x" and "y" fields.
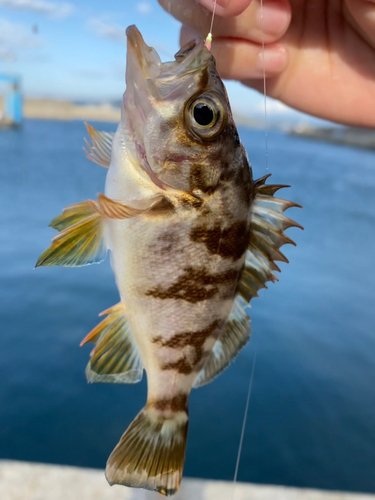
{"x": 192, "y": 239}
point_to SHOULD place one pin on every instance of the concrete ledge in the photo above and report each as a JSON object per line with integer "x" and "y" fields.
{"x": 29, "y": 481}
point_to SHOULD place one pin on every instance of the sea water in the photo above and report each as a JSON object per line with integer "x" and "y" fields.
{"x": 311, "y": 419}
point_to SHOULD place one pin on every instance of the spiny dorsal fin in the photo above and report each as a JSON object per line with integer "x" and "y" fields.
{"x": 100, "y": 150}
{"x": 267, "y": 236}
{"x": 81, "y": 238}
{"x": 268, "y": 224}
{"x": 236, "y": 334}
{"x": 115, "y": 358}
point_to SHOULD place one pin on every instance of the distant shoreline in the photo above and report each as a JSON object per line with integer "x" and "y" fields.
{"x": 347, "y": 136}
{"x": 50, "y": 109}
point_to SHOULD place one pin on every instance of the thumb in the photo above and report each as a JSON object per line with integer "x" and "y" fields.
{"x": 363, "y": 13}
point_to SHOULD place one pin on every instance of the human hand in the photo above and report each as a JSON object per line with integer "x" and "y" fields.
{"x": 319, "y": 55}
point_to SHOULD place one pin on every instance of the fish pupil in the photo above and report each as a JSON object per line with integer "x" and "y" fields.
{"x": 203, "y": 114}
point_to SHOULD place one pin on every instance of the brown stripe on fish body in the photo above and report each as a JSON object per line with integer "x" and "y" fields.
{"x": 195, "y": 285}
{"x": 181, "y": 366}
{"x": 167, "y": 242}
{"x": 174, "y": 404}
{"x": 215, "y": 171}
{"x": 236, "y": 175}
{"x": 193, "y": 339}
{"x": 229, "y": 243}
{"x": 204, "y": 177}
{"x": 205, "y": 172}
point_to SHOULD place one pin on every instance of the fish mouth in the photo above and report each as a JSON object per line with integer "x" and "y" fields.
{"x": 142, "y": 60}
{"x": 145, "y": 69}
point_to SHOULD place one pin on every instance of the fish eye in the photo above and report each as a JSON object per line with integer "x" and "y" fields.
{"x": 205, "y": 116}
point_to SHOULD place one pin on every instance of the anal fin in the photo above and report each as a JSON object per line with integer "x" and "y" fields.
{"x": 115, "y": 357}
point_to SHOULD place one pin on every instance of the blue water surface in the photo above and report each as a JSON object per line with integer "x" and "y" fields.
{"x": 311, "y": 419}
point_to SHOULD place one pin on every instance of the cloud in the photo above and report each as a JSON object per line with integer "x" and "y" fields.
{"x": 144, "y": 8}
{"x": 15, "y": 38}
{"x": 58, "y": 10}
{"x": 106, "y": 29}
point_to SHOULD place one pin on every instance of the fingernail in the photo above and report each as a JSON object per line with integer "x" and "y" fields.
{"x": 209, "y": 4}
{"x": 271, "y": 60}
{"x": 272, "y": 19}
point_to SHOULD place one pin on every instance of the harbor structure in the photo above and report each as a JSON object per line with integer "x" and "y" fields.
{"x": 11, "y": 98}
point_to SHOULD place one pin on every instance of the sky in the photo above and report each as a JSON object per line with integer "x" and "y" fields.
{"x": 76, "y": 49}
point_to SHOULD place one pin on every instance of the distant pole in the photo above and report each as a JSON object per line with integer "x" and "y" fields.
{"x": 12, "y": 101}
{"x": 14, "y": 104}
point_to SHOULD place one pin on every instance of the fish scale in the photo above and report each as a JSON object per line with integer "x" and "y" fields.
{"x": 192, "y": 239}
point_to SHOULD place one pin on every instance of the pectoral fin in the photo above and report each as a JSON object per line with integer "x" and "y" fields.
{"x": 115, "y": 357}
{"x": 124, "y": 210}
{"x": 81, "y": 240}
{"x": 72, "y": 215}
{"x": 100, "y": 150}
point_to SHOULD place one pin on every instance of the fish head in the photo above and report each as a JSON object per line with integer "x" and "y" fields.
{"x": 176, "y": 113}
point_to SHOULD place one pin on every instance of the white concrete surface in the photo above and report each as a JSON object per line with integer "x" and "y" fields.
{"x": 29, "y": 481}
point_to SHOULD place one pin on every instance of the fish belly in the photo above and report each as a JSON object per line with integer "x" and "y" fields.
{"x": 177, "y": 296}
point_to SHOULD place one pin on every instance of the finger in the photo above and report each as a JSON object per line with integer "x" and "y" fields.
{"x": 259, "y": 23}
{"x": 264, "y": 21}
{"x": 363, "y": 12}
{"x": 243, "y": 60}
{"x": 190, "y": 13}
{"x": 226, "y": 8}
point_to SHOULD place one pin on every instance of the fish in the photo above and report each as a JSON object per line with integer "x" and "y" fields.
{"x": 192, "y": 238}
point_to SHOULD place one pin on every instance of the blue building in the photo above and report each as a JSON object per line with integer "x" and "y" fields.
{"x": 11, "y": 114}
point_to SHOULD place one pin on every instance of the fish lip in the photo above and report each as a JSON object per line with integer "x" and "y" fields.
{"x": 135, "y": 42}
{"x": 145, "y": 57}
{"x": 133, "y": 34}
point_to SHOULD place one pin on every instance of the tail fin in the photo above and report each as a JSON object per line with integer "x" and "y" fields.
{"x": 151, "y": 453}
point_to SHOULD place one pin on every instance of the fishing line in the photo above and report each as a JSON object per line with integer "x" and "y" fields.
{"x": 244, "y": 421}
{"x": 208, "y": 41}
{"x": 255, "y": 353}
{"x": 264, "y": 86}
